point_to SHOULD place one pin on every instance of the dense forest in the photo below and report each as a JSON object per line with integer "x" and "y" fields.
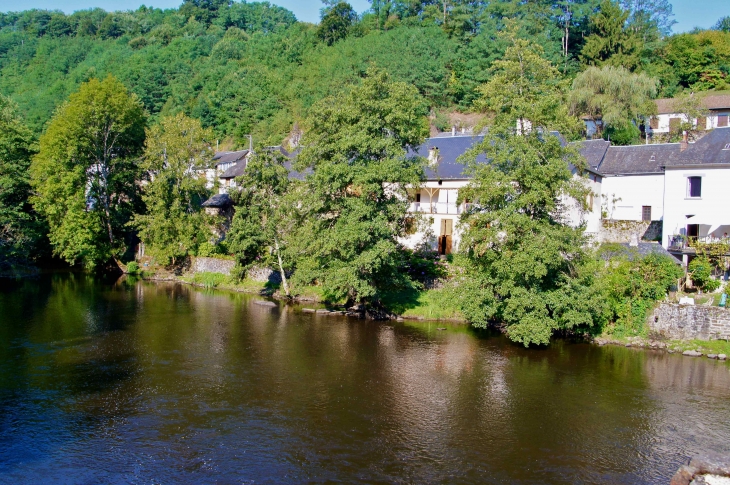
{"x": 109, "y": 120}
{"x": 252, "y": 68}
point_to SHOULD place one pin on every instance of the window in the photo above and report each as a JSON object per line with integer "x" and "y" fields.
{"x": 702, "y": 123}
{"x": 654, "y": 123}
{"x": 722, "y": 120}
{"x": 646, "y": 213}
{"x": 727, "y": 147}
{"x": 674, "y": 124}
{"x": 418, "y": 197}
{"x": 694, "y": 186}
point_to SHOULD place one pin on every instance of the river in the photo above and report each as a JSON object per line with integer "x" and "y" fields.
{"x": 138, "y": 382}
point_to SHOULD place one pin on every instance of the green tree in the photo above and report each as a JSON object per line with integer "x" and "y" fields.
{"x": 614, "y": 95}
{"x": 19, "y": 227}
{"x": 700, "y": 270}
{"x": 336, "y": 23}
{"x": 357, "y": 145}
{"x": 174, "y": 223}
{"x": 723, "y": 24}
{"x": 266, "y": 215}
{"x": 520, "y": 252}
{"x": 85, "y": 174}
{"x": 610, "y": 42}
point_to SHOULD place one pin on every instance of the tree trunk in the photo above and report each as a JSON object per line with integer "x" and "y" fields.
{"x": 281, "y": 268}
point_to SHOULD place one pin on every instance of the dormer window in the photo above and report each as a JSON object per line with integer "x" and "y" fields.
{"x": 727, "y": 147}
{"x": 694, "y": 187}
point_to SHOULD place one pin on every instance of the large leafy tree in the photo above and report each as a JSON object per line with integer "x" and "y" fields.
{"x": 85, "y": 174}
{"x": 19, "y": 227}
{"x": 174, "y": 223}
{"x": 519, "y": 251}
{"x": 336, "y": 23}
{"x": 357, "y": 146}
{"x": 267, "y": 213}
{"x": 613, "y": 94}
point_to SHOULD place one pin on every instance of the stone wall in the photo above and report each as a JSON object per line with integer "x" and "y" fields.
{"x": 263, "y": 275}
{"x": 686, "y": 322}
{"x": 621, "y": 231}
{"x": 212, "y": 265}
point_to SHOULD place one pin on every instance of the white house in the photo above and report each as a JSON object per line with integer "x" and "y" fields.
{"x": 436, "y": 200}
{"x": 717, "y": 106}
{"x": 696, "y": 195}
{"x": 632, "y": 178}
{"x": 226, "y": 167}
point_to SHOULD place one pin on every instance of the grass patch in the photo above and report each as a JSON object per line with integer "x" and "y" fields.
{"x": 428, "y": 304}
{"x": 704, "y": 346}
{"x": 209, "y": 280}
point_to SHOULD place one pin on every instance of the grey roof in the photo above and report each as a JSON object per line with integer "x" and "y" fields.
{"x": 708, "y": 150}
{"x": 235, "y": 171}
{"x": 450, "y": 148}
{"x": 638, "y": 159}
{"x": 642, "y": 250}
{"x": 594, "y": 151}
{"x": 219, "y": 200}
{"x": 227, "y": 157}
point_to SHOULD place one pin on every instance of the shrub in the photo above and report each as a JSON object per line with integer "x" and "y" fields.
{"x": 700, "y": 270}
{"x": 133, "y": 267}
{"x": 209, "y": 280}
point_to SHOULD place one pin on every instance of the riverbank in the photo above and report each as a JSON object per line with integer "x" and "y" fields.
{"x": 713, "y": 349}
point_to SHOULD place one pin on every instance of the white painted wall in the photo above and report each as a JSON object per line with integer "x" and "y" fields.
{"x": 663, "y": 125}
{"x": 711, "y": 208}
{"x": 634, "y": 191}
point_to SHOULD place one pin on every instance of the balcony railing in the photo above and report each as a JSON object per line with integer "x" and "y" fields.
{"x": 679, "y": 242}
{"x": 438, "y": 208}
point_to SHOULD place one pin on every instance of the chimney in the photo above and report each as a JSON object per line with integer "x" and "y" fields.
{"x": 463, "y": 130}
{"x": 453, "y": 131}
{"x": 683, "y": 146}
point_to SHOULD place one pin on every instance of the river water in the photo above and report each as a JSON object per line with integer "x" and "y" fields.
{"x": 136, "y": 382}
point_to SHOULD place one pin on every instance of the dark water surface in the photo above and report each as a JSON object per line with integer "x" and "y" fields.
{"x": 160, "y": 383}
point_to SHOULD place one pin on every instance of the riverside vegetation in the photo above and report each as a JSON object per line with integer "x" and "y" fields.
{"x": 112, "y": 152}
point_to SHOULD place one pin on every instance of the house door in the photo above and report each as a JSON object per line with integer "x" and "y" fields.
{"x": 693, "y": 231}
{"x": 447, "y": 227}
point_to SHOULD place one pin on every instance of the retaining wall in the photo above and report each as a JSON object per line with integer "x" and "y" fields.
{"x": 686, "y": 322}
{"x": 621, "y": 231}
{"x": 212, "y": 265}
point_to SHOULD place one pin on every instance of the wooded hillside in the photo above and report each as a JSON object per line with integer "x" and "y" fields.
{"x": 253, "y": 68}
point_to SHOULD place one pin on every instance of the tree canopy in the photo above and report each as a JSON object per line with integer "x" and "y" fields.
{"x": 85, "y": 174}
{"x": 356, "y": 145}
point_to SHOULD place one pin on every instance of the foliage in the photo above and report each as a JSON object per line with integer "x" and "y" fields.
{"x": 209, "y": 280}
{"x": 520, "y": 254}
{"x": 336, "y": 23}
{"x": 133, "y": 267}
{"x": 700, "y": 270}
{"x": 266, "y": 215}
{"x": 723, "y": 24}
{"x": 355, "y": 203}
{"x": 611, "y": 41}
{"x": 629, "y": 285}
{"x": 20, "y": 230}
{"x": 615, "y": 95}
{"x": 85, "y": 174}
{"x": 173, "y": 224}
{"x": 623, "y": 134}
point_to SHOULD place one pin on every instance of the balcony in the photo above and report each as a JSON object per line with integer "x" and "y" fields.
{"x": 688, "y": 244}
{"x": 438, "y": 208}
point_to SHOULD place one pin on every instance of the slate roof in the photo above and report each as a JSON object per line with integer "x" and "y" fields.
{"x": 708, "y": 150}
{"x": 227, "y": 157}
{"x": 638, "y": 159}
{"x": 716, "y": 101}
{"x": 450, "y": 148}
{"x": 594, "y": 151}
{"x": 235, "y": 171}
{"x": 219, "y": 200}
{"x": 642, "y": 250}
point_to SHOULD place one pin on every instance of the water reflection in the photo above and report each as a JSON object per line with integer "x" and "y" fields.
{"x": 140, "y": 382}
